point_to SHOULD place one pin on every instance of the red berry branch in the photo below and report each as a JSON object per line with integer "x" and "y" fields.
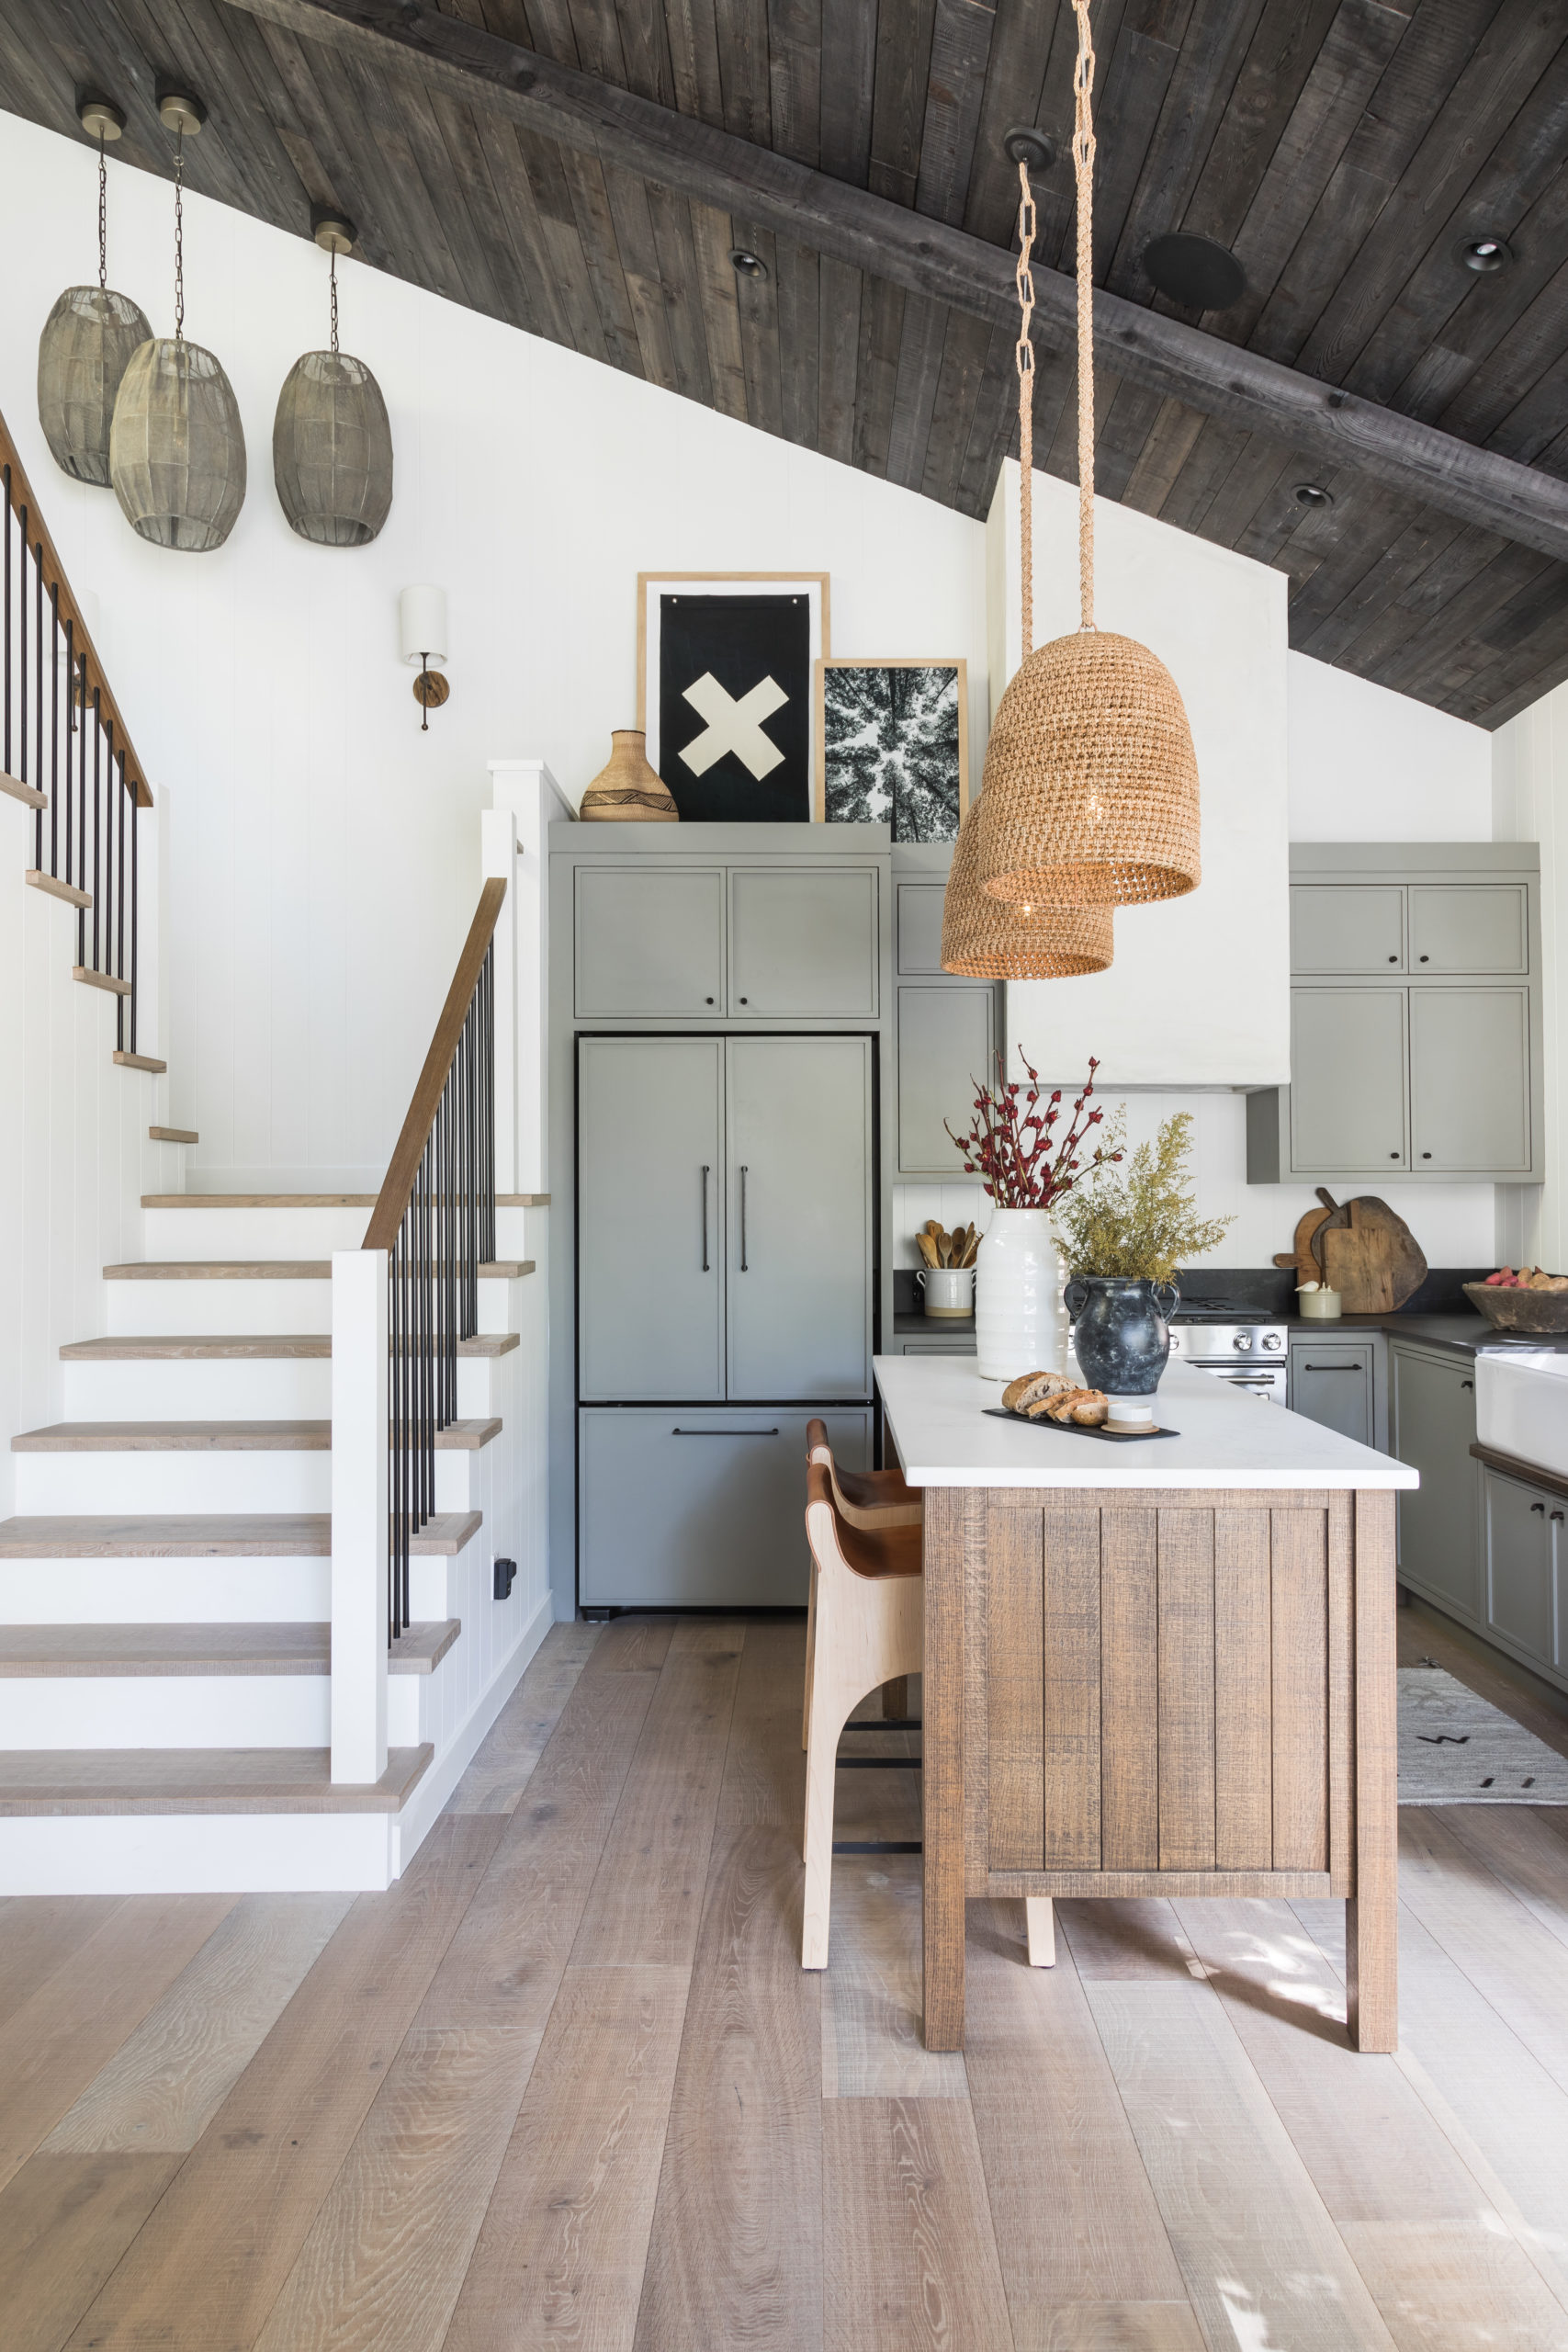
{"x": 1012, "y": 1146}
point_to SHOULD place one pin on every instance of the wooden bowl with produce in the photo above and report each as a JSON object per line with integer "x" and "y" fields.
{"x": 1526, "y": 1301}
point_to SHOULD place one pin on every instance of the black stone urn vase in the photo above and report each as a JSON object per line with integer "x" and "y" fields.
{"x": 1119, "y": 1336}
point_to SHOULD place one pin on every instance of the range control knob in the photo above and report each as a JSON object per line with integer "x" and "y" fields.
{"x": 1242, "y": 1342}
{"x": 1272, "y": 1340}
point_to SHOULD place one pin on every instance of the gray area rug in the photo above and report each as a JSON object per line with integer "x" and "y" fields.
{"x": 1457, "y": 1749}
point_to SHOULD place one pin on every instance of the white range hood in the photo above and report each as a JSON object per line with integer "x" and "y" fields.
{"x": 1198, "y": 994}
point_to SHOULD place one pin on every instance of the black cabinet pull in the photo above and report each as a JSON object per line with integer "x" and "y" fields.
{"x": 1394, "y": 1154}
{"x": 724, "y": 1432}
{"x": 1426, "y": 1155}
{"x": 744, "y": 1174}
{"x": 1332, "y": 1367}
{"x": 1467, "y": 1383}
{"x": 1556, "y": 1514}
{"x": 706, "y": 1174}
{"x": 1394, "y": 959}
{"x": 1540, "y": 1508}
{"x": 1426, "y": 959}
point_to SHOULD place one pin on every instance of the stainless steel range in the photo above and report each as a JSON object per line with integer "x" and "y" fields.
{"x": 1238, "y": 1344}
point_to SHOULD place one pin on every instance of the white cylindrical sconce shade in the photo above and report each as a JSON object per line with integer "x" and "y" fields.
{"x": 422, "y": 625}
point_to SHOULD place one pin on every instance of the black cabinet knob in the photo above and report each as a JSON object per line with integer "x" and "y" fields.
{"x": 1394, "y": 959}
{"x": 1426, "y": 959}
{"x": 707, "y": 999}
{"x": 745, "y": 999}
{"x": 1394, "y": 1154}
{"x": 1426, "y": 1155}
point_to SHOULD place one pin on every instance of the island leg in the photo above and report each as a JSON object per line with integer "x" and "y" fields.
{"x": 1372, "y": 1915}
{"x": 942, "y": 1749}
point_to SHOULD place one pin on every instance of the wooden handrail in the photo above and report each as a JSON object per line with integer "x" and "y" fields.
{"x": 70, "y": 610}
{"x": 403, "y": 1166}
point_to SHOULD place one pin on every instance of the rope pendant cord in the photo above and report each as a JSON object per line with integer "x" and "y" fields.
{"x": 179, "y": 237}
{"x": 1083, "y": 168}
{"x": 103, "y": 217}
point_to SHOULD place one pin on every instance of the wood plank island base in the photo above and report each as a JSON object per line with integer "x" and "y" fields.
{"x": 1153, "y": 1670}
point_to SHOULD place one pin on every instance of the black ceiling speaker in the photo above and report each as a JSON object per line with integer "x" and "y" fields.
{"x": 1194, "y": 271}
{"x": 747, "y": 264}
{"x": 1312, "y": 493}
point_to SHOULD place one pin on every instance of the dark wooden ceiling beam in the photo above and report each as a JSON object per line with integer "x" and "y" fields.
{"x": 940, "y": 263}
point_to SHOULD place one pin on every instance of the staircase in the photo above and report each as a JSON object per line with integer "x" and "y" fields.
{"x": 166, "y": 1582}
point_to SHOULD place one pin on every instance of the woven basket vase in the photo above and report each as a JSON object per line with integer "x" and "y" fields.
{"x": 628, "y": 789}
{"x": 987, "y": 941}
{"x": 1090, "y": 790}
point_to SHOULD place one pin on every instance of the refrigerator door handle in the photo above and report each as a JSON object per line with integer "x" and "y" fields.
{"x": 744, "y": 1174}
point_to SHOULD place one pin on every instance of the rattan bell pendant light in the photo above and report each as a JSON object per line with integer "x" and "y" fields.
{"x": 88, "y": 339}
{"x": 1091, "y": 792}
{"x": 985, "y": 940}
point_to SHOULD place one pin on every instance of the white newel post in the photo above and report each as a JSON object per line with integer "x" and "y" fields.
{"x": 359, "y": 1515}
{"x": 529, "y": 793}
{"x": 498, "y": 856}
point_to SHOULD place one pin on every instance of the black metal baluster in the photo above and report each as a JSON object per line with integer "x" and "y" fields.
{"x": 135, "y": 902}
{"x": 22, "y": 671}
{"x": 98, "y": 811}
{"x": 38, "y": 769}
{"x": 119, "y": 911}
{"x": 54, "y": 722}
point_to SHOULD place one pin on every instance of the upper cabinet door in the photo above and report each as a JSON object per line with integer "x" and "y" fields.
{"x": 1347, "y": 1055}
{"x": 1349, "y": 927}
{"x": 946, "y": 1039}
{"x": 649, "y": 942}
{"x": 799, "y": 1248}
{"x": 920, "y": 926}
{"x": 1469, "y": 928}
{"x": 1470, "y": 1089}
{"x": 803, "y": 943}
{"x": 650, "y": 1217}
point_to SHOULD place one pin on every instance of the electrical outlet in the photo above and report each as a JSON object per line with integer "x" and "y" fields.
{"x": 505, "y": 1577}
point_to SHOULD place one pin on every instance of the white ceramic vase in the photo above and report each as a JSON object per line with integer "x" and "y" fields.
{"x": 1021, "y": 1324}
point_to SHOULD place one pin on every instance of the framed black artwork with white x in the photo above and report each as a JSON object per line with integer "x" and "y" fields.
{"x": 725, "y": 663}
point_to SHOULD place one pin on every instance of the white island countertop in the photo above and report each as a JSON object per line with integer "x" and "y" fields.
{"x": 936, "y": 1418}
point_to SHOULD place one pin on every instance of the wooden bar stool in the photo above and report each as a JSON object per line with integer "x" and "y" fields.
{"x": 872, "y": 1499}
{"x": 868, "y": 1627}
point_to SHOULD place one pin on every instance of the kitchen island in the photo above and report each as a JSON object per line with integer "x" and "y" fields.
{"x": 1157, "y": 1667}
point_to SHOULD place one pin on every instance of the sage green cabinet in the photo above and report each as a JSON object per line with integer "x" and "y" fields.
{"x": 802, "y": 944}
{"x": 1432, "y": 1427}
{"x": 765, "y": 942}
{"x": 1331, "y": 1383}
{"x": 649, "y": 941}
{"x": 1416, "y": 1045}
{"x": 920, "y": 906}
{"x": 1522, "y": 1528}
{"x": 946, "y": 1038}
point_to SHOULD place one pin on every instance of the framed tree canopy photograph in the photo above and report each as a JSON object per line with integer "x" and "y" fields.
{"x": 725, "y": 662}
{"x": 893, "y": 746}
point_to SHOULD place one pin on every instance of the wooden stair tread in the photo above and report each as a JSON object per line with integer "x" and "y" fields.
{"x": 15, "y": 789}
{"x": 108, "y": 981}
{"x": 221, "y": 1437}
{"x": 174, "y": 1135}
{"x": 198, "y": 1780}
{"x": 258, "y": 1200}
{"x": 178, "y": 1344}
{"x": 223, "y": 1270}
{"x": 55, "y": 1652}
{"x": 141, "y": 1061}
{"x": 206, "y": 1534}
{"x": 264, "y": 1346}
{"x": 37, "y": 880}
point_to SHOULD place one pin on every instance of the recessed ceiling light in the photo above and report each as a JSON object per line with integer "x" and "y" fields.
{"x": 1312, "y": 493}
{"x": 1483, "y": 254}
{"x": 749, "y": 265}
{"x": 1194, "y": 271}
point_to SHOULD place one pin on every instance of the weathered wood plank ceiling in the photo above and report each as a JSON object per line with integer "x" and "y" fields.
{"x": 1343, "y": 149}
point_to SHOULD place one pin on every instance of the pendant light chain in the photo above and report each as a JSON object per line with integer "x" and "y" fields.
{"x": 1083, "y": 167}
{"x": 334, "y": 302}
{"x": 102, "y": 215}
{"x": 179, "y": 237}
{"x": 1025, "y": 356}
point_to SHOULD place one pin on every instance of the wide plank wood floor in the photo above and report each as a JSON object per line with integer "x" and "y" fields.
{"x": 567, "y": 2085}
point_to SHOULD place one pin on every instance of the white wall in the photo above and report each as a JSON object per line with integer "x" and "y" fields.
{"x": 1168, "y": 1011}
{"x": 1370, "y": 765}
{"x": 323, "y": 870}
{"x": 1530, "y": 804}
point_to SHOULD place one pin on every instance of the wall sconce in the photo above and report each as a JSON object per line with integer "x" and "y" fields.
{"x": 422, "y": 625}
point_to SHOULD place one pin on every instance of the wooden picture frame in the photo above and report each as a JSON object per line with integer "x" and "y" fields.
{"x": 651, "y": 586}
{"x": 957, "y": 664}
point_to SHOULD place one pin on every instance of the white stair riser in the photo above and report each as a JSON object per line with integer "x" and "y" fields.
{"x": 187, "y": 1710}
{"x": 205, "y": 1481}
{"x": 251, "y": 1233}
{"x": 199, "y": 1388}
{"x": 175, "y": 1481}
{"x": 173, "y": 1592}
{"x": 148, "y": 1853}
{"x": 231, "y": 1388}
{"x": 218, "y": 1307}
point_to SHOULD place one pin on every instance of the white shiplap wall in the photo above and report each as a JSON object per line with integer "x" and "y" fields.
{"x": 1530, "y": 804}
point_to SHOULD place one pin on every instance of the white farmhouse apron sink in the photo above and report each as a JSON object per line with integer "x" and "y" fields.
{"x": 1521, "y": 1406}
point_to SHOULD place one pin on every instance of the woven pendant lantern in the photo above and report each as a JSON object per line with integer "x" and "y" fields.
{"x": 984, "y": 940}
{"x": 332, "y": 444}
{"x": 176, "y": 446}
{"x": 1090, "y": 790}
{"x": 87, "y": 341}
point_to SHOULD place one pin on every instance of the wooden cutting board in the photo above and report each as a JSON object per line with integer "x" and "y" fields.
{"x": 1370, "y": 1256}
{"x": 1300, "y": 1256}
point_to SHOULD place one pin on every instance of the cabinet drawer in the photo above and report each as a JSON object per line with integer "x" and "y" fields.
{"x": 946, "y": 1037}
{"x": 1468, "y": 928}
{"x": 1349, "y": 927}
{"x": 1331, "y": 1383}
{"x": 690, "y": 1507}
{"x": 803, "y": 943}
{"x": 649, "y": 942}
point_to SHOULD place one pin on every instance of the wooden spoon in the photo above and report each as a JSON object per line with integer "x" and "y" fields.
{"x": 927, "y": 1249}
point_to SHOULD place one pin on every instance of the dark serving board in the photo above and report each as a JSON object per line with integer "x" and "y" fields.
{"x": 1076, "y": 1428}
